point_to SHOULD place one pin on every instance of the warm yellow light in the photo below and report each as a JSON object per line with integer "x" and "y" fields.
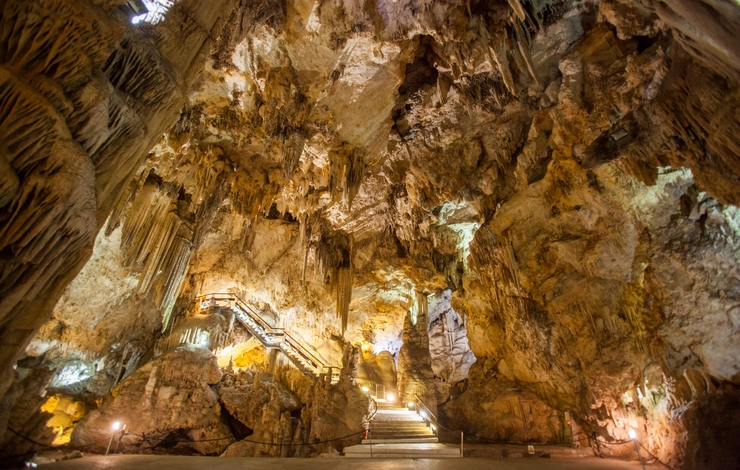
{"x": 632, "y": 434}
{"x": 365, "y": 389}
{"x": 433, "y": 428}
{"x": 390, "y": 397}
{"x": 116, "y": 426}
{"x": 422, "y": 414}
{"x": 410, "y": 405}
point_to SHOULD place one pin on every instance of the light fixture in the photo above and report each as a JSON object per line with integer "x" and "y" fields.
{"x": 390, "y": 397}
{"x": 619, "y": 134}
{"x": 116, "y": 426}
{"x": 410, "y": 405}
{"x": 365, "y": 389}
{"x": 632, "y": 434}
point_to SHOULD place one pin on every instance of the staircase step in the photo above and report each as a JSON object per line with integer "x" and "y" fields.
{"x": 405, "y": 420}
{"x": 403, "y": 430}
{"x": 406, "y": 440}
{"x": 385, "y": 428}
{"x": 402, "y": 411}
{"x": 398, "y": 419}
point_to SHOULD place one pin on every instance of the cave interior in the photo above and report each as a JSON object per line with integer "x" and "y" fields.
{"x": 229, "y": 224}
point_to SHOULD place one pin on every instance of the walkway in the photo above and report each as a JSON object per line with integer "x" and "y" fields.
{"x": 157, "y": 462}
{"x": 303, "y": 356}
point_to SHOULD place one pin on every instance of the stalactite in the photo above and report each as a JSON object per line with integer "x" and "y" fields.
{"x": 353, "y": 179}
{"x": 422, "y": 301}
{"x": 177, "y": 269}
{"x": 344, "y": 294}
{"x": 292, "y": 149}
{"x": 524, "y": 52}
{"x": 518, "y": 8}
{"x": 498, "y": 52}
{"x": 334, "y": 254}
{"x": 512, "y": 264}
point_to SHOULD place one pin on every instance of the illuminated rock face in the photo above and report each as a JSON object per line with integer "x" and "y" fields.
{"x": 77, "y": 120}
{"x": 169, "y": 394}
{"x": 531, "y": 201}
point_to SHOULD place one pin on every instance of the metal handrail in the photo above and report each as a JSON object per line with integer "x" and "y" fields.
{"x": 375, "y": 411}
{"x": 436, "y": 424}
{"x": 284, "y": 339}
{"x": 245, "y": 306}
{"x": 306, "y": 352}
{"x": 419, "y": 400}
{"x": 369, "y": 428}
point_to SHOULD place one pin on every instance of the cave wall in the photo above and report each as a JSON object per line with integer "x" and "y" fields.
{"x": 79, "y": 116}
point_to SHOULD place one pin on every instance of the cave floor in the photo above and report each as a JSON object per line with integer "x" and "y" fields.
{"x": 156, "y": 462}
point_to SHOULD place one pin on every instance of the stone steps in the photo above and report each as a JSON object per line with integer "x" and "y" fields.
{"x": 401, "y": 440}
{"x": 402, "y": 435}
{"x": 399, "y": 433}
{"x": 405, "y": 427}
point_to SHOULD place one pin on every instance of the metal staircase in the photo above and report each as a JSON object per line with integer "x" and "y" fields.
{"x": 303, "y": 357}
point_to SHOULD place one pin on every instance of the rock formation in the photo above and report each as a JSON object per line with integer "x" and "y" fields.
{"x": 523, "y": 211}
{"x": 85, "y": 97}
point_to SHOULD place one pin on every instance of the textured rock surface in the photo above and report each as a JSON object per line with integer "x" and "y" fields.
{"x": 530, "y": 200}
{"x": 76, "y": 122}
{"x": 170, "y": 394}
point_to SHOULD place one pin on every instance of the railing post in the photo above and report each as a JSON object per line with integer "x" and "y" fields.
{"x": 462, "y": 444}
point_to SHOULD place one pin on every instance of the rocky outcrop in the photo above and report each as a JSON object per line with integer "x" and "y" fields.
{"x": 266, "y": 409}
{"x": 181, "y": 400}
{"x": 448, "y": 342}
{"x": 169, "y": 398}
{"x": 25, "y": 415}
{"x": 492, "y": 409}
{"x": 415, "y": 374}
